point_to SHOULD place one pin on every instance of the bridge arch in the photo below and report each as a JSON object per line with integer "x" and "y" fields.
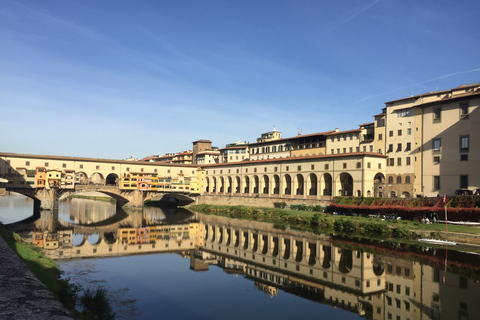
{"x": 112, "y": 179}
{"x": 81, "y": 178}
{"x": 97, "y": 179}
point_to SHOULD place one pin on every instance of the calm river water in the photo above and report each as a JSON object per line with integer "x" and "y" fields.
{"x": 158, "y": 263}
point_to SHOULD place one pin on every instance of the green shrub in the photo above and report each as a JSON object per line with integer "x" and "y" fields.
{"x": 96, "y": 304}
{"x": 317, "y": 208}
{"x": 377, "y": 230}
{"x": 401, "y": 233}
{"x": 280, "y": 205}
{"x": 299, "y": 207}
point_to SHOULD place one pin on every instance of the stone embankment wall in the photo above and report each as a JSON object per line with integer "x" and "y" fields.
{"x": 226, "y": 200}
{"x": 22, "y": 295}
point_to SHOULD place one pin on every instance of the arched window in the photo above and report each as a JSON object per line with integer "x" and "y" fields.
{"x": 407, "y": 179}
{"x": 393, "y": 194}
{"x": 390, "y": 179}
{"x": 399, "y": 179}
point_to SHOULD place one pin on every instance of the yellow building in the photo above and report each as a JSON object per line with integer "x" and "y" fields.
{"x": 433, "y": 142}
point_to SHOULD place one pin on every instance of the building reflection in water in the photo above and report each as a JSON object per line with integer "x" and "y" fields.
{"x": 376, "y": 281}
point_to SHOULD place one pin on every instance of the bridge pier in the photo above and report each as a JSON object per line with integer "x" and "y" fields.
{"x": 48, "y": 199}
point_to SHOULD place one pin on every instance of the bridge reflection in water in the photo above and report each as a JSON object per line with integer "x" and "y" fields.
{"x": 376, "y": 281}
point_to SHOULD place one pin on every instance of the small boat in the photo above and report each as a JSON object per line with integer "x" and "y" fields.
{"x": 440, "y": 242}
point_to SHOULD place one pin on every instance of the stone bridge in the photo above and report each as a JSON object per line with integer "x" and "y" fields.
{"x": 47, "y": 199}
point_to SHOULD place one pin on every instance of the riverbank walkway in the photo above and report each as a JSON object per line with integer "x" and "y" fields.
{"x": 22, "y": 295}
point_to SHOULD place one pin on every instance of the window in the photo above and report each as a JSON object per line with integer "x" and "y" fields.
{"x": 390, "y": 148}
{"x": 380, "y": 136}
{"x": 390, "y": 133}
{"x": 407, "y": 180}
{"x": 464, "y": 157}
{"x": 391, "y": 162}
{"x": 46, "y": 164}
{"x": 408, "y": 161}
{"x": 369, "y": 165}
{"x": 408, "y": 147}
{"x": 27, "y": 163}
{"x": 344, "y": 165}
{"x": 464, "y": 109}
{"x": 399, "y": 147}
{"x": 380, "y": 122}
{"x": 344, "y": 150}
{"x": 357, "y": 149}
{"x": 338, "y": 150}
{"x": 364, "y": 148}
{"x": 464, "y": 181}
{"x": 436, "y": 144}
{"x": 326, "y": 166}
{"x": 379, "y": 166}
{"x": 313, "y": 167}
{"x": 332, "y": 151}
{"x": 404, "y": 113}
{"x": 399, "y": 180}
{"x": 409, "y": 131}
{"x": 436, "y": 182}
{"x": 371, "y": 148}
{"x": 436, "y": 159}
{"x": 351, "y": 150}
{"x": 390, "y": 179}
{"x": 299, "y": 168}
{"x": 359, "y": 165}
{"x": 437, "y": 112}
{"x": 98, "y": 168}
{"x": 286, "y": 169}
{"x": 399, "y": 132}
{"x": 464, "y": 143}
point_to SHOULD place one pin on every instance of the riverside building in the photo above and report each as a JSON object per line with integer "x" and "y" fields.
{"x": 423, "y": 145}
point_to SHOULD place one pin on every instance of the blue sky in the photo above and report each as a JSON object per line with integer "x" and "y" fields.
{"x": 114, "y": 79}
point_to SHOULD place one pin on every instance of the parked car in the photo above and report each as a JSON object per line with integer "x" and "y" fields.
{"x": 463, "y": 192}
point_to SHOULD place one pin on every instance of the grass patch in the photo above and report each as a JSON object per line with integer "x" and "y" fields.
{"x": 43, "y": 268}
{"x": 95, "y": 303}
{"x": 96, "y": 198}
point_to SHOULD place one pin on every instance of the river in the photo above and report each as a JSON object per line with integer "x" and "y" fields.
{"x": 158, "y": 262}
